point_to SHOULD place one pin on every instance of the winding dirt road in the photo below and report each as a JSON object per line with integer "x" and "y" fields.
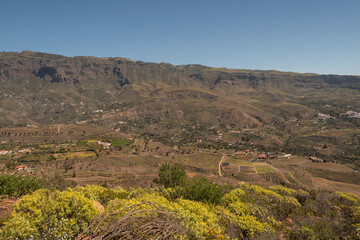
{"x": 222, "y": 159}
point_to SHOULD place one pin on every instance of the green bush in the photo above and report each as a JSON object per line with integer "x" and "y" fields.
{"x": 171, "y": 175}
{"x": 173, "y": 178}
{"x": 18, "y": 185}
{"x": 203, "y": 190}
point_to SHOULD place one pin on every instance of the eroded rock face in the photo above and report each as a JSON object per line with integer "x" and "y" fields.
{"x": 51, "y": 74}
{"x": 43, "y": 71}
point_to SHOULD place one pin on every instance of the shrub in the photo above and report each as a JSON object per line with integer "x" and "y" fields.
{"x": 280, "y": 206}
{"x": 101, "y": 194}
{"x": 18, "y": 185}
{"x": 237, "y": 222}
{"x": 346, "y": 199}
{"x": 196, "y": 217}
{"x": 303, "y": 232}
{"x": 49, "y": 215}
{"x": 203, "y": 190}
{"x": 171, "y": 175}
{"x": 59, "y": 183}
{"x": 283, "y": 190}
{"x": 234, "y": 196}
{"x": 249, "y": 225}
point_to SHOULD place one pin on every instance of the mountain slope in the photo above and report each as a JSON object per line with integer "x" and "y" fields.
{"x": 52, "y": 84}
{"x": 179, "y": 104}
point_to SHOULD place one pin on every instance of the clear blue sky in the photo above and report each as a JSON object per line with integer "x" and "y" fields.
{"x": 321, "y": 36}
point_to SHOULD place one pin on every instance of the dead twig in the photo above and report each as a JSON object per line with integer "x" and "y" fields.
{"x": 153, "y": 222}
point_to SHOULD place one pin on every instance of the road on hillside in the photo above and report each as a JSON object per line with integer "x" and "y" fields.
{"x": 222, "y": 159}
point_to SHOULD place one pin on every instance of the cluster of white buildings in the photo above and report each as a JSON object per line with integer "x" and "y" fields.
{"x": 323, "y": 116}
{"x": 104, "y": 144}
{"x": 351, "y": 114}
{"x": 7, "y": 152}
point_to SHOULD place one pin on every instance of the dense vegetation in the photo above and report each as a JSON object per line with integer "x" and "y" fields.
{"x": 18, "y": 185}
{"x": 188, "y": 209}
{"x": 199, "y": 189}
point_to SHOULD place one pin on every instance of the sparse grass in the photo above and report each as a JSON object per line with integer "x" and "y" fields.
{"x": 199, "y": 160}
{"x": 263, "y": 169}
{"x": 239, "y": 162}
{"x": 346, "y": 177}
{"x": 242, "y": 162}
{"x": 290, "y": 178}
{"x": 329, "y": 167}
{"x": 247, "y": 169}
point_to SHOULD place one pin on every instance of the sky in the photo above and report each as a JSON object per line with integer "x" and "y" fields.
{"x": 317, "y": 36}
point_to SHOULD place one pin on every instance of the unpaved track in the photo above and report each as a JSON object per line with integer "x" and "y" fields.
{"x": 222, "y": 159}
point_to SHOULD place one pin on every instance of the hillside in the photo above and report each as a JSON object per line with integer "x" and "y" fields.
{"x": 175, "y": 152}
{"x": 185, "y": 105}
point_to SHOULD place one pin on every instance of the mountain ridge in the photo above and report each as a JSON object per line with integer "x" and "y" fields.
{"x": 162, "y": 99}
{"x": 122, "y": 77}
{"x": 29, "y": 53}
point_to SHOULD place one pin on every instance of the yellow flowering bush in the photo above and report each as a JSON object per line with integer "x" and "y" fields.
{"x": 283, "y": 190}
{"x": 346, "y": 198}
{"x": 235, "y": 195}
{"x": 260, "y": 195}
{"x": 248, "y": 212}
{"x": 195, "y": 216}
{"x": 101, "y": 194}
{"x": 49, "y": 215}
{"x": 19, "y": 227}
{"x": 238, "y": 208}
{"x": 249, "y": 225}
{"x": 245, "y": 224}
{"x": 280, "y": 205}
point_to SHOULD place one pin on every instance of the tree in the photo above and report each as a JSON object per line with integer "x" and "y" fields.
{"x": 171, "y": 175}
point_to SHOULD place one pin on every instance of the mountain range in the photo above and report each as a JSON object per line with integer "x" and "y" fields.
{"x": 184, "y": 104}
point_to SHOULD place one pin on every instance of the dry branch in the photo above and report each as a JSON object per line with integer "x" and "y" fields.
{"x": 153, "y": 222}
